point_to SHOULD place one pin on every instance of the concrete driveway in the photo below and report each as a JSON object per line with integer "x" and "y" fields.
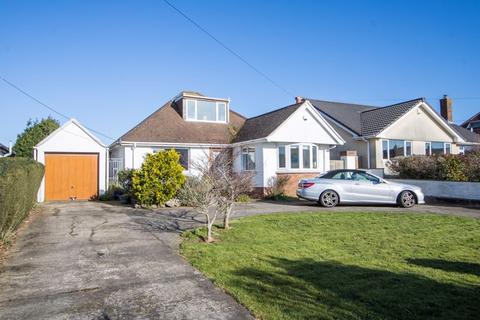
{"x": 90, "y": 260}
{"x": 87, "y": 260}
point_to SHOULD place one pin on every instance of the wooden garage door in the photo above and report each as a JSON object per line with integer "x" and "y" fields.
{"x": 71, "y": 176}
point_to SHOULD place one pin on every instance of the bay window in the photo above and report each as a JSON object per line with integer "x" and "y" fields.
{"x": 396, "y": 148}
{"x": 298, "y": 156}
{"x": 294, "y": 157}
{"x": 282, "y": 157}
{"x": 248, "y": 158}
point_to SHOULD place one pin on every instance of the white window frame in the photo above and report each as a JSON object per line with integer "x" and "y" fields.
{"x": 243, "y": 152}
{"x": 444, "y": 146}
{"x": 404, "y": 148}
{"x": 288, "y": 160}
{"x": 217, "y": 106}
{"x": 429, "y": 148}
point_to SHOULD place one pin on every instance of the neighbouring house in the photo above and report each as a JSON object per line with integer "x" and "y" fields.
{"x": 295, "y": 140}
{"x": 379, "y": 134}
{"x": 6, "y": 151}
{"x": 75, "y": 164}
{"x": 472, "y": 124}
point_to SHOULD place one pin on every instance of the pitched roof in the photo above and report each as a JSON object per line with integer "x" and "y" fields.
{"x": 466, "y": 134}
{"x": 347, "y": 114}
{"x": 167, "y": 125}
{"x": 472, "y": 118}
{"x": 376, "y": 120}
{"x": 364, "y": 120}
{"x": 263, "y": 125}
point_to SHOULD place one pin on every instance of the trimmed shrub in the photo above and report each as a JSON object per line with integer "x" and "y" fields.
{"x": 439, "y": 167}
{"x": 159, "y": 178}
{"x": 19, "y": 182}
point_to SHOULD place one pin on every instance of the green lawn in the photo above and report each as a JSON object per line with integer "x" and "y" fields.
{"x": 346, "y": 265}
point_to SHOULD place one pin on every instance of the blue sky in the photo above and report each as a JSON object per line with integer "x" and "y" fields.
{"x": 109, "y": 64}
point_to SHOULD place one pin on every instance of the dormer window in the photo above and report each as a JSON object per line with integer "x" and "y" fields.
{"x": 206, "y": 110}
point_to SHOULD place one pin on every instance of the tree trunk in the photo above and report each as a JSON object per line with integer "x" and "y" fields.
{"x": 209, "y": 233}
{"x": 226, "y": 217}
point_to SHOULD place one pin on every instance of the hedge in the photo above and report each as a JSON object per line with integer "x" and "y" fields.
{"x": 19, "y": 182}
{"x": 439, "y": 167}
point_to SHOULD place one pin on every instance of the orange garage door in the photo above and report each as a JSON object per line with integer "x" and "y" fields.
{"x": 71, "y": 176}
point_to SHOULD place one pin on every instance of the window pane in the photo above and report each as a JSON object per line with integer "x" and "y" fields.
{"x": 397, "y": 148}
{"x": 448, "y": 148}
{"x": 183, "y": 157}
{"x": 314, "y": 156}
{"x": 281, "y": 157}
{"x": 427, "y": 148}
{"x": 343, "y": 175}
{"x": 409, "y": 148}
{"x": 222, "y": 111}
{"x": 437, "y": 147}
{"x": 385, "y": 149}
{"x": 294, "y": 157}
{"x": 206, "y": 110}
{"x": 306, "y": 156}
{"x": 248, "y": 158}
{"x": 190, "y": 109}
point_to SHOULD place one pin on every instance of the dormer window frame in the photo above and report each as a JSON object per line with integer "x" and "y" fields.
{"x": 218, "y": 105}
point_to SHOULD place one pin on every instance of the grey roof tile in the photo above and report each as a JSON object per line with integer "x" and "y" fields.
{"x": 347, "y": 114}
{"x": 466, "y": 134}
{"x": 376, "y": 120}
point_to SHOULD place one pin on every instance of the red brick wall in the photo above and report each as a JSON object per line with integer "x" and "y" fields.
{"x": 291, "y": 188}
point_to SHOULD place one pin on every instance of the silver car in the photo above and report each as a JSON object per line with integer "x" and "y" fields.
{"x": 357, "y": 186}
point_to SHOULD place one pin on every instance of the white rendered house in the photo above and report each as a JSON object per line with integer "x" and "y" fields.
{"x": 294, "y": 140}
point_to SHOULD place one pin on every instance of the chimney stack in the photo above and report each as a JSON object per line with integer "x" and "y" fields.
{"x": 446, "y": 108}
{"x": 298, "y": 99}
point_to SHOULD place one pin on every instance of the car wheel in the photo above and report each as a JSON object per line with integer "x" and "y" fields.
{"x": 406, "y": 199}
{"x": 329, "y": 199}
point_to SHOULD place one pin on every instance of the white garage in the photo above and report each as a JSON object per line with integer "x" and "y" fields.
{"x": 76, "y": 164}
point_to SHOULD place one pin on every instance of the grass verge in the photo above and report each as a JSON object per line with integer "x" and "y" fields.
{"x": 346, "y": 265}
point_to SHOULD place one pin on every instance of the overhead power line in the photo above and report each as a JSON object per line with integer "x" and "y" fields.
{"x": 231, "y": 51}
{"x": 22, "y": 91}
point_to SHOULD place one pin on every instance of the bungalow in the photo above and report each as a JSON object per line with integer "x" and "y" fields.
{"x": 294, "y": 140}
{"x": 379, "y": 134}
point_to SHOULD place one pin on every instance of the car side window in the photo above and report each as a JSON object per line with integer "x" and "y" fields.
{"x": 363, "y": 176}
{"x": 340, "y": 176}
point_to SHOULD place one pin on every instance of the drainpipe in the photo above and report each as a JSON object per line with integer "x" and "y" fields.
{"x": 107, "y": 168}
{"x": 325, "y": 157}
{"x": 133, "y": 155}
{"x": 368, "y": 151}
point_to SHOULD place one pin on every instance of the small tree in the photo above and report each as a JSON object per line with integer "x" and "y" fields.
{"x": 229, "y": 184}
{"x": 159, "y": 178}
{"x": 199, "y": 192}
{"x": 34, "y": 133}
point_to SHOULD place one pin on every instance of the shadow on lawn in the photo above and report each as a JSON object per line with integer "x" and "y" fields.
{"x": 310, "y": 289}
{"x": 450, "y": 266}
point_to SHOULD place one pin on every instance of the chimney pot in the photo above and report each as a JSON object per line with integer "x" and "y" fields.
{"x": 446, "y": 108}
{"x": 298, "y": 99}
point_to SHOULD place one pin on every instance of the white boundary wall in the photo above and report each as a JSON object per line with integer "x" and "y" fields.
{"x": 446, "y": 189}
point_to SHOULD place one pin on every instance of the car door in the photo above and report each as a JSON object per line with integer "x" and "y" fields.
{"x": 368, "y": 188}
